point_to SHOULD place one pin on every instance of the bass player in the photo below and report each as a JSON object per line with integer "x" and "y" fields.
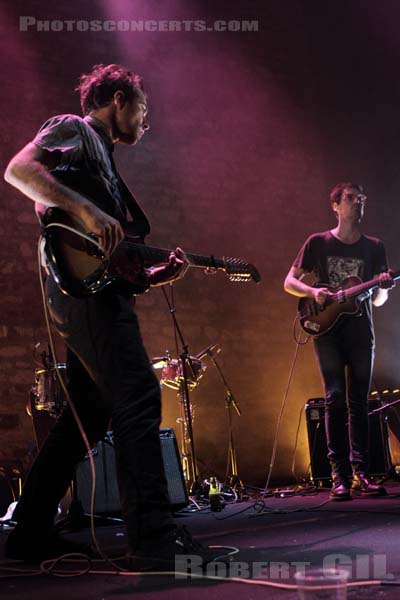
{"x": 332, "y": 256}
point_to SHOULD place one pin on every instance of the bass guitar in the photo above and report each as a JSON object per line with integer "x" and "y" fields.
{"x": 81, "y": 268}
{"x": 345, "y": 299}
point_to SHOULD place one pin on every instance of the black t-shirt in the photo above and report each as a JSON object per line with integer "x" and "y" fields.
{"x": 331, "y": 261}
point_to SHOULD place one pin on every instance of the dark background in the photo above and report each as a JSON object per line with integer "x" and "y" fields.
{"x": 249, "y": 131}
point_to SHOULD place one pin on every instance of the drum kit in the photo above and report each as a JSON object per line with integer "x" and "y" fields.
{"x": 183, "y": 374}
{"x": 172, "y": 371}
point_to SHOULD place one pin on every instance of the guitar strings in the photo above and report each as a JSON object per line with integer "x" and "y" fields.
{"x": 215, "y": 263}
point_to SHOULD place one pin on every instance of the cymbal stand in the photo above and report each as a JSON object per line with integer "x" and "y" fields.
{"x": 231, "y": 476}
{"x": 188, "y": 447}
{"x": 185, "y": 451}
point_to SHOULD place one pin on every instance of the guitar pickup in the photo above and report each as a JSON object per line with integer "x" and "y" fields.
{"x": 315, "y": 327}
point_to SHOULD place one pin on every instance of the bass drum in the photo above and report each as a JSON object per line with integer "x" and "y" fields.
{"x": 47, "y": 393}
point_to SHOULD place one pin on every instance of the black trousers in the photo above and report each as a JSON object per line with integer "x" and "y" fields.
{"x": 345, "y": 357}
{"x": 109, "y": 378}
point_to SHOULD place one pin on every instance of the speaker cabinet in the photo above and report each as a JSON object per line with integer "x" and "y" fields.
{"x": 379, "y": 451}
{"x": 107, "y": 499}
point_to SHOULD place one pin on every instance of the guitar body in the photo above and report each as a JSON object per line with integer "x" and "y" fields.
{"x": 80, "y": 268}
{"x": 316, "y": 319}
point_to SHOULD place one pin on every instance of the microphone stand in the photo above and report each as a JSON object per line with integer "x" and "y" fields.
{"x": 232, "y": 476}
{"x": 188, "y": 446}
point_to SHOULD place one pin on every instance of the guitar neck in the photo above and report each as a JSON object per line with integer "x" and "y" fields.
{"x": 208, "y": 262}
{"x": 366, "y": 286}
{"x": 152, "y": 255}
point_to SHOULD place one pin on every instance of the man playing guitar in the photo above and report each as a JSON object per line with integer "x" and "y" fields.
{"x": 332, "y": 256}
{"x": 69, "y": 165}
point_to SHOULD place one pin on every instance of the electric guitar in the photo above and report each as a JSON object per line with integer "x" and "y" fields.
{"x": 81, "y": 268}
{"x": 345, "y": 299}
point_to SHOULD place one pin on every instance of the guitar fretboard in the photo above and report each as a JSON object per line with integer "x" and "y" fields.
{"x": 152, "y": 255}
{"x": 368, "y": 285}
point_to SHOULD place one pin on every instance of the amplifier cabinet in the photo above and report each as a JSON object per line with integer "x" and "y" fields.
{"x": 379, "y": 451}
{"x": 107, "y": 500}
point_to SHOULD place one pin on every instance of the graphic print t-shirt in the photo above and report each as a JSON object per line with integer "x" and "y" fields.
{"x": 331, "y": 260}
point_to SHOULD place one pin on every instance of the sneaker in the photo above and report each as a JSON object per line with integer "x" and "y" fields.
{"x": 362, "y": 486}
{"x": 340, "y": 489}
{"x": 38, "y": 547}
{"x": 164, "y": 553}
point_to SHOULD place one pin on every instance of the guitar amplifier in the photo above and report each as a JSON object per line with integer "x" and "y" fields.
{"x": 107, "y": 499}
{"x": 379, "y": 450}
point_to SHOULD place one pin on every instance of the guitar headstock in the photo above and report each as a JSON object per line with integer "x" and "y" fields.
{"x": 239, "y": 270}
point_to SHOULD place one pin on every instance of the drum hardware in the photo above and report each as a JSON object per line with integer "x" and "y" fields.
{"x": 172, "y": 373}
{"x": 47, "y": 394}
{"x": 196, "y": 370}
{"x": 159, "y": 362}
{"x": 232, "y": 478}
{"x": 172, "y": 370}
{"x": 185, "y": 377}
{"x": 172, "y": 377}
{"x": 188, "y": 449}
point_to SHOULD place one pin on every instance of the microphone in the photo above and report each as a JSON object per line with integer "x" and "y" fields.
{"x": 209, "y": 350}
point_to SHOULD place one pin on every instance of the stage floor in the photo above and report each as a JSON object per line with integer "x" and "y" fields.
{"x": 272, "y": 537}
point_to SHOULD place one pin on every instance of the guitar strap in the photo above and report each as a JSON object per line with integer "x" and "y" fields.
{"x": 137, "y": 214}
{"x": 134, "y": 209}
{"x": 368, "y": 261}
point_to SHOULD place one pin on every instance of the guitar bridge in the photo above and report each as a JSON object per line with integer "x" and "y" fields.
{"x": 341, "y": 296}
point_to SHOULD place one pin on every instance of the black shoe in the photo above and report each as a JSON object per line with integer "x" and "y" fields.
{"x": 362, "y": 486}
{"x": 38, "y": 547}
{"x": 340, "y": 489}
{"x": 174, "y": 551}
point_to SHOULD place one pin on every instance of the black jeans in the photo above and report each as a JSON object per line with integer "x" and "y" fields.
{"x": 349, "y": 347}
{"x": 109, "y": 378}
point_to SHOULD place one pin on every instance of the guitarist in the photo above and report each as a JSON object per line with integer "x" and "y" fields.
{"x": 332, "y": 256}
{"x": 69, "y": 164}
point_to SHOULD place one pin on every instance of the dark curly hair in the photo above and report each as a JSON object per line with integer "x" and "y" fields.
{"x": 97, "y": 88}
